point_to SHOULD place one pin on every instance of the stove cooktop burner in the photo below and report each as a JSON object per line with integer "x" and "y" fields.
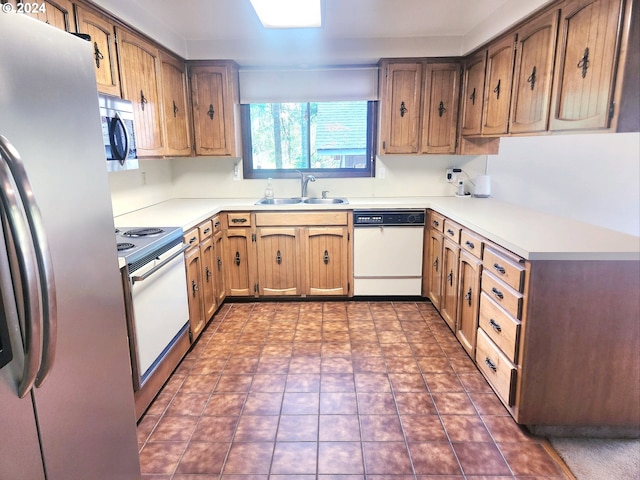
{"x": 143, "y": 232}
{"x": 123, "y": 246}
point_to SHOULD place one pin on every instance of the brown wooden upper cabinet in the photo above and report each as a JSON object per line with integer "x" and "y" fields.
{"x": 102, "y": 32}
{"x": 175, "y": 106}
{"x": 419, "y": 107}
{"x": 586, "y": 64}
{"x": 533, "y": 74}
{"x": 497, "y": 87}
{"x": 472, "y": 92}
{"x": 140, "y": 73}
{"x": 214, "y": 99}
{"x": 440, "y": 117}
{"x": 400, "y": 107}
{"x": 57, "y": 13}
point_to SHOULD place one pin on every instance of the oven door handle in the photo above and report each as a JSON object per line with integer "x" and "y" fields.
{"x": 144, "y": 276}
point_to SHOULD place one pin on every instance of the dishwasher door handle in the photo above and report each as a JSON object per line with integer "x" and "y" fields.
{"x": 144, "y": 276}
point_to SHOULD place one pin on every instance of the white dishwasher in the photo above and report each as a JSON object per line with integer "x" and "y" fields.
{"x": 387, "y": 252}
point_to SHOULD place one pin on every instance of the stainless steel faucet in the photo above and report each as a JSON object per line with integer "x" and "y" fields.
{"x": 304, "y": 181}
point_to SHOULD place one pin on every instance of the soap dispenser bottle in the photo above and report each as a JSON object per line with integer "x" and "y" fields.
{"x": 268, "y": 192}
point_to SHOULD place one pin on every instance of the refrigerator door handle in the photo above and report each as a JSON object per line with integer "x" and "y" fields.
{"x": 44, "y": 278}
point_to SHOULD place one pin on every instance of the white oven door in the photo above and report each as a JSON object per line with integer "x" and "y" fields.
{"x": 160, "y": 307}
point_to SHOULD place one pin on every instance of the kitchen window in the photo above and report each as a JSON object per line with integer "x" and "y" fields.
{"x": 310, "y": 120}
{"x": 330, "y": 139}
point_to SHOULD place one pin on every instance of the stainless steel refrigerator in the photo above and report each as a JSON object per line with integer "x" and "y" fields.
{"x": 62, "y": 319}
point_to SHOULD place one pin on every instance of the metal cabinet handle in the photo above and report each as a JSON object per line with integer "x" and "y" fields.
{"x": 495, "y": 325}
{"x": 211, "y": 112}
{"x": 42, "y": 289}
{"x": 435, "y": 265}
{"x": 497, "y": 293}
{"x": 194, "y": 288}
{"x": 532, "y": 78}
{"x": 97, "y": 54}
{"x": 450, "y": 278}
{"x": 278, "y": 257}
{"x": 584, "y": 62}
{"x": 499, "y": 268}
{"x": 207, "y": 273}
{"x": 175, "y": 109}
{"x": 436, "y": 223}
{"x": 468, "y": 295}
{"x": 490, "y": 364}
{"x": 325, "y": 257}
{"x": 143, "y": 100}
{"x": 450, "y": 232}
{"x": 403, "y": 109}
{"x": 470, "y": 244}
{"x": 237, "y": 259}
{"x": 193, "y": 240}
{"x": 207, "y": 230}
{"x": 473, "y": 96}
{"x": 497, "y": 90}
{"x": 238, "y": 220}
{"x": 217, "y": 224}
{"x": 219, "y": 264}
{"x": 441, "y": 109}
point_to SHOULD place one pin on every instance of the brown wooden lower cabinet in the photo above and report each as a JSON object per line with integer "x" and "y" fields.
{"x": 279, "y": 266}
{"x": 327, "y": 260}
{"x": 239, "y": 263}
{"x": 557, "y": 340}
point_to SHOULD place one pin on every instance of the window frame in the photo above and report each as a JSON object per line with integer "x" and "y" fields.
{"x": 369, "y": 171}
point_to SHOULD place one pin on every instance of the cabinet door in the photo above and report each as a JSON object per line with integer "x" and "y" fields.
{"x": 139, "y": 70}
{"x": 449, "y": 303}
{"x": 219, "y": 282}
{"x": 57, "y": 13}
{"x": 435, "y": 267}
{"x": 327, "y": 261}
{"x": 238, "y": 262}
{"x": 497, "y": 89}
{"x": 469, "y": 299}
{"x": 440, "y": 115}
{"x": 585, "y": 64}
{"x": 208, "y": 266}
{"x": 194, "y": 284}
{"x": 533, "y": 73}
{"x": 472, "y": 92}
{"x": 278, "y": 254}
{"x": 401, "y": 107}
{"x": 174, "y": 103}
{"x": 213, "y": 104}
{"x": 102, "y": 35}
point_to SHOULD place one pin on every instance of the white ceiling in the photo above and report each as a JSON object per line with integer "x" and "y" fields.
{"x": 354, "y": 31}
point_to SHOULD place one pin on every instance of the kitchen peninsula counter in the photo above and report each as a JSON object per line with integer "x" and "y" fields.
{"x": 532, "y": 234}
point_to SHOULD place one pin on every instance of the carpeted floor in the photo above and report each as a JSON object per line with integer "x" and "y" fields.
{"x": 600, "y": 459}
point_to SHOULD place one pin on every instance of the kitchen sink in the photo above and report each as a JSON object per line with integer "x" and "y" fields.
{"x": 301, "y": 201}
{"x": 325, "y": 201}
{"x": 279, "y": 201}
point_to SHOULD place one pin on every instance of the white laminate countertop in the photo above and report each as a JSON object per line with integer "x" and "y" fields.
{"x": 532, "y": 234}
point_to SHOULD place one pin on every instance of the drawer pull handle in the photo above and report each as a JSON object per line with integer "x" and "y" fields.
{"x": 217, "y": 224}
{"x": 435, "y": 265}
{"x": 490, "y": 364}
{"x": 207, "y": 273}
{"x": 495, "y": 325}
{"x": 237, "y": 259}
{"x": 278, "y": 257}
{"x": 238, "y": 220}
{"x": 192, "y": 240}
{"x": 499, "y": 268}
{"x": 497, "y": 293}
{"x": 207, "y": 230}
{"x": 211, "y": 112}
{"x": 450, "y": 278}
{"x": 436, "y": 223}
{"x": 450, "y": 232}
{"x": 470, "y": 244}
{"x": 194, "y": 287}
{"x": 325, "y": 257}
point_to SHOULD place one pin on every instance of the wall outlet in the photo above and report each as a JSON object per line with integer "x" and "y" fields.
{"x": 452, "y": 174}
{"x": 236, "y": 171}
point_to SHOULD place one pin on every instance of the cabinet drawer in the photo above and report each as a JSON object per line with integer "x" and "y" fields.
{"x": 192, "y": 237}
{"x": 499, "y": 326}
{"x": 496, "y": 367}
{"x": 452, "y": 230}
{"x": 205, "y": 229}
{"x": 502, "y": 294}
{"x": 217, "y": 224}
{"x": 505, "y": 269}
{"x": 436, "y": 221}
{"x": 471, "y": 242}
{"x": 239, "y": 219}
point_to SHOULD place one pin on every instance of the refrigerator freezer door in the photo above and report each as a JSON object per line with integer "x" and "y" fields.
{"x": 49, "y": 104}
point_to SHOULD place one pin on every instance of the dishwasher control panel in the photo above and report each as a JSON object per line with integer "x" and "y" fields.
{"x": 364, "y": 218}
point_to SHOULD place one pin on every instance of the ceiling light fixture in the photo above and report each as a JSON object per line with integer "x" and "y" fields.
{"x": 288, "y": 13}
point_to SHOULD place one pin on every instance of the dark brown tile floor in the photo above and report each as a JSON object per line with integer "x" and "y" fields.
{"x": 333, "y": 391}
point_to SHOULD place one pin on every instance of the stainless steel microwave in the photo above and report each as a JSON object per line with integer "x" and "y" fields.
{"x": 118, "y": 134}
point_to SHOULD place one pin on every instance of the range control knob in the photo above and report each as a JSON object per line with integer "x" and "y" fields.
{"x": 411, "y": 218}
